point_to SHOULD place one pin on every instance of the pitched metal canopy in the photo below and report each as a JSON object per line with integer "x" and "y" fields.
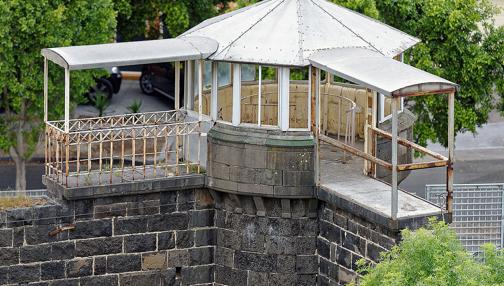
{"x": 375, "y": 71}
{"x": 131, "y": 53}
{"x": 287, "y": 32}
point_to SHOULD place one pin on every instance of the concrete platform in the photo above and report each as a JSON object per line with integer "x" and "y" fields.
{"x": 344, "y": 184}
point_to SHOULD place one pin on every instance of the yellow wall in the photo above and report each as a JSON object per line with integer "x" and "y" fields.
{"x": 298, "y": 104}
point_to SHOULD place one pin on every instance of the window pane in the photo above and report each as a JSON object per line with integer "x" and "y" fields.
{"x": 298, "y": 98}
{"x": 249, "y": 93}
{"x": 207, "y": 86}
{"x": 225, "y": 92}
{"x": 269, "y": 96}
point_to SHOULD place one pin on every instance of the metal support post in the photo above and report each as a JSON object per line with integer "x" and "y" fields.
{"x": 259, "y": 97}
{"x": 200, "y": 90}
{"x": 395, "y": 194}
{"x": 214, "y": 93}
{"x": 236, "y": 116}
{"x": 451, "y": 147}
{"x": 283, "y": 84}
{"x": 177, "y": 85}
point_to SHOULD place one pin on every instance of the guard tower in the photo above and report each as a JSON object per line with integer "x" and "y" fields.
{"x": 282, "y": 100}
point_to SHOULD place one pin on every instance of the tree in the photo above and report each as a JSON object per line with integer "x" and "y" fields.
{"x": 144, "y": 17}
{"x": 459, "y": 43}
{"x": 433, "y": 256}
{"x": 27, "y": 26}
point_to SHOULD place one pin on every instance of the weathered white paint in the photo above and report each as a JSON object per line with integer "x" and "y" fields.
{"x": 236, "y": 116}
{"x": 46, "y": 78}
{"x": 259, "y": 97}
{"x": 394, "y": 197}
{"x": 200, "y": 89}
{"x": 177, "y": 85}
{"x": 67, "y": 100}
{"x": 189, "y": 98}
{"x": 214, "y": 92}
{"x": 283, "y": 91}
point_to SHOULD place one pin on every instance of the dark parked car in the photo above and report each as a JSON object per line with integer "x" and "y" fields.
{"x": 107, "y": 85}
{"x": 160, "y": 78}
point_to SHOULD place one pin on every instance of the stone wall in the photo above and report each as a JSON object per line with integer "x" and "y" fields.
{"x": 267, "y": 163}
{"x": 161, "y": 238}
{"x": 344, "y": 239}
{"x": 277, "y": 247}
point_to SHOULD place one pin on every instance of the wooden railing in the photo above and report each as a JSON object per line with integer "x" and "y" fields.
{"x": 115, "y": 149}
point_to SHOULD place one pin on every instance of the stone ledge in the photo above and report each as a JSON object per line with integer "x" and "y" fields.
{"x": 261, "y": 136}
{"x": 373, "y": 215}
{"x": 59, "y": 191}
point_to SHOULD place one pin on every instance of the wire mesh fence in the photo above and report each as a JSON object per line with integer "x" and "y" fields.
{"x": 27, "y": 193}
{"x": 478, "y": 211}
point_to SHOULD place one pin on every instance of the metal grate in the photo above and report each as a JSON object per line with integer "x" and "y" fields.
{"x": 477, "y": 212}
{"x": 28, "y": 193}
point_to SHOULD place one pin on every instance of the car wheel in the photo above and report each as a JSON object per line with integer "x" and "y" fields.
{"x": 146, "y": 84}
{"x": 103, "y": 86}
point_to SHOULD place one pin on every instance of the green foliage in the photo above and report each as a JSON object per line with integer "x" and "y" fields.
{"x": 433, "y": 256}
{"x": 176, "y": 15}
{"x": 101, "y": 103}
{"x": 366, "y": 7}
{"x": 459, "y": 43}
{"x": 27, "y": 26}
{"x": 135, "y": 106}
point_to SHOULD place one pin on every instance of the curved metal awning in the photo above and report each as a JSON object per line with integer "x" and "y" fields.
{"x": 383, "y": 74}
{"x": 131, "y": 53}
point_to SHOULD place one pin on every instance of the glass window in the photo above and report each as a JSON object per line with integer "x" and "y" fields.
{"x": 298, "y": 98}
{"x": 249, "y": 93}
{"x": 224, "y": 92}
{"x": 207, "y": 86}
{"x": 269, "y": 96}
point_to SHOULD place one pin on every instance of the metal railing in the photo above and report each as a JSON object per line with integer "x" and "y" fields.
{"x": 478, "y": 213}
{"x": 115, "y": 149}
{"x": 347, "y": 108}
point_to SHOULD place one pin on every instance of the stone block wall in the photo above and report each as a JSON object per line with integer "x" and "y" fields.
{"x": 163, "y": 238}
{"x": 344, "y": 239}
{"x": 268, "y": 163}
{"x": 277, "y": 247}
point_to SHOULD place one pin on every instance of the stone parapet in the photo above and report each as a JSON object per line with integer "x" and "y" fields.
{"x": 159, "y": 238}
{"x": 253, "y": 161}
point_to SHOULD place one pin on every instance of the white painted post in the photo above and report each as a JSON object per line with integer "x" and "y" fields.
{"x": 236, "y": 95}
{"x": 189, "y": 99}
{"x": 317, "y": 125}
{"x": 259, "y": 99}
{"x": 177, "y": 85}
{"x": 451, "y": 153}
{"x": 46, "y": 79}
{"x": 310, "y": 92}
{"x": 283, "y": 86}
{"x": 395, "y": 194}
{"x": 67, "y": 100}
{"x": 214, "y": 93}
{"x": 200, "y": 90}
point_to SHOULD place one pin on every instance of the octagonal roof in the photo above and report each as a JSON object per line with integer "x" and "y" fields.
{"x": 287, "y": 32}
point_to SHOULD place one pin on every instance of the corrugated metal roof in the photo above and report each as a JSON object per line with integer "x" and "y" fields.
{"x": 131, "y": 53}
{"x": 287, "y": 32}
{"x": 378, "y": 72}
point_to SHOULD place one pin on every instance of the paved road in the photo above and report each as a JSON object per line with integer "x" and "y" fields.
{"x": 478, "y": 159}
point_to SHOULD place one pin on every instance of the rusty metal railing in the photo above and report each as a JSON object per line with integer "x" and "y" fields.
{"x": 122, "y": 148}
